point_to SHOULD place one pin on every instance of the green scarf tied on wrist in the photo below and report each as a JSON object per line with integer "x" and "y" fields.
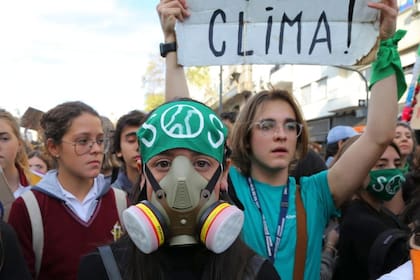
{"x": 388, "y": 62}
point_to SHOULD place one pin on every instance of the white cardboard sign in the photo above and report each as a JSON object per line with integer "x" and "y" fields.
{"x": 326, "y": 32}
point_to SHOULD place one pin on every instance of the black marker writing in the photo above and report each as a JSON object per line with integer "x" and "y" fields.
{"x": 350, "y": 21}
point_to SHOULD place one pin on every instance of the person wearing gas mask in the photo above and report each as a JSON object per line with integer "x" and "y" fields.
{"x": 365, "y": 219}
{"x": 181, "y": 228}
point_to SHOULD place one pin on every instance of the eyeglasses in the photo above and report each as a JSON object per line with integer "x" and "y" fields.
{"x": 270, "y": 126}
{"x": 83, "y": 146}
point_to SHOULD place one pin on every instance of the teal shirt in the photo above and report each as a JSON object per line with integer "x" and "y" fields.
{"x": 319, "y": 206}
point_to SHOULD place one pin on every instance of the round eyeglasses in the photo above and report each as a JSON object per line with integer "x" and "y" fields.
{"x": 83, "y": 146}
{"x": 270, "y": 126}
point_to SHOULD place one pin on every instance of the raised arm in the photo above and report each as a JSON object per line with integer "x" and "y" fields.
{"x": 169, "y": 12}
{"x": 350, "y": 171}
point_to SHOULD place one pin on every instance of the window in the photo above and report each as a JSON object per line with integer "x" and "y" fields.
{"x": 320, "y": 91}
{"x": 306, "y": 94}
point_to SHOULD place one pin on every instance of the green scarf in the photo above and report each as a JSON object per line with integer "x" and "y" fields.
{"x": 388, "y": 63}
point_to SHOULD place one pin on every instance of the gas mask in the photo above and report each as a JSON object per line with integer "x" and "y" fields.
{"x": 385, "y": 183}
{"x": 183, "y": 210}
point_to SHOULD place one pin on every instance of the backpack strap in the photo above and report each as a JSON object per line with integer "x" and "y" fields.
{"x": 109, "y": 262}
{"x": 253, "y": 267}
{"x": 37, "y": 227}
{"x": 379, "y": 250}
{"x": 120, "y": 202}
{"x": 6, "y": 196}
{"x": 301, "y": 237}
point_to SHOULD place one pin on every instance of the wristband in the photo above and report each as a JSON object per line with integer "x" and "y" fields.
{"x": 166, "y": 48}
{"x": 388, "y": 63}
{"x": 332, "y": 248}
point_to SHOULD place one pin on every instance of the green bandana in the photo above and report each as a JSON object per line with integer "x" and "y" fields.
{"x": 388, "y": 63}
{"x": 182, "y": 124}
{"x": 384, "y": 183}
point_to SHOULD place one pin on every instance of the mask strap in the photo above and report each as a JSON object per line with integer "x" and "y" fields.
{"x": 155, "y": 185}
{"x": 214, "y": 178}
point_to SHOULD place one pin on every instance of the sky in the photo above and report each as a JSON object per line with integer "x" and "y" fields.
{"x": 95, "y": 51}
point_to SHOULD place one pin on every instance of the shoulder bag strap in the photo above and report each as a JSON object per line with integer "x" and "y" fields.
{"x": 109, "y": 262}
{"x": 301, "y": 239}
{"x": 37, "y": 227}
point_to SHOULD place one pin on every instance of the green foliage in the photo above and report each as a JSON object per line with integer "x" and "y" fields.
{"x": 198, "y": 76}
{"x": 153, "y": 79}
{"x": 153, "y": 100}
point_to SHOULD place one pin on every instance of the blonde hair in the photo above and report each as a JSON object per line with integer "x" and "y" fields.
{"x": 241, "y": 134}
{"x": 21, "y": 160}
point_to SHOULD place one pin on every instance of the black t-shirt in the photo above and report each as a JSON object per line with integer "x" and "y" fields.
{"x": 360, "y": 226}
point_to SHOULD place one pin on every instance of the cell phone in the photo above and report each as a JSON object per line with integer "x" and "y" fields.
{"x": 6, "y": 196}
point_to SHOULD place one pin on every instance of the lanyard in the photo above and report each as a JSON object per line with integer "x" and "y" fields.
{"x": 272, "y": 249}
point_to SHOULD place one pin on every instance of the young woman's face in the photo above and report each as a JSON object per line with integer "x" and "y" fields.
{"x": 38, "y": 165}
{"x": 389, "y": 160}
{"x": 274, "y": 136}
{"x": 160, "y": 165}
{"x": 81, "y": 150}
{"x": 9, "y": 145}
{"x": 129, "y": 147}
{"x": 403, "y": 138}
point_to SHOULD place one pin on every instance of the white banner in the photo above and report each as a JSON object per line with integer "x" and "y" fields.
{"x": 327, "y": 32}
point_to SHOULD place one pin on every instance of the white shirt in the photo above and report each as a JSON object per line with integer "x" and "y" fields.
{"x": 404, "y": 271}
{"x": 20, "y": 190}
{"x": 84, "y": 209}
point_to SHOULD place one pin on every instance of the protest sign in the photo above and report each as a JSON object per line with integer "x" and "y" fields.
{"x": 327, "y": 32}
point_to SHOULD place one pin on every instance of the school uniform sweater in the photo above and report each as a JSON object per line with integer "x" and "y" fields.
{"x": 66, "y": 236}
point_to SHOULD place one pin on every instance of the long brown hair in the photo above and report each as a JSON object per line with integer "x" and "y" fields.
{"x": 230, "y": 264}
{"x": 241, "y": 135}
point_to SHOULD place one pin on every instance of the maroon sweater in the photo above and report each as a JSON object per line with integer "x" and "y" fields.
{"x": 66, "y": 237}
